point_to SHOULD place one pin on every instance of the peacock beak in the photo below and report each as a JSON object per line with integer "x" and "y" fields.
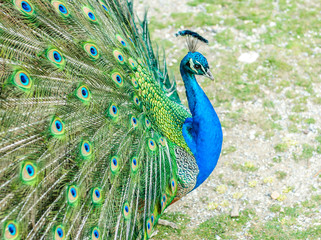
{"x": 209, "y": 74}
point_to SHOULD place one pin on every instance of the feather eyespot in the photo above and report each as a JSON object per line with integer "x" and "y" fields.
{"x": 114, "y": 164}
{"x": 117, "y": 78}
{"x": 59, "y": 233}
{"x": 96, "y": 196}
{"x": 57, "y": 127}
{"x": 28, "y": 172}
{"x": 90, "y": 14}
{"x": 72, "y": 195}
{"x": 162, "y": 141}
{"x": 24, "y": 6}
{"x": 163, "y": 202}
{"x": 149, "y": 227}
{"x": 140, "y": 62}
{"x": 83, "y": 93}
{"x": 134, "y": 82}
{"x": 173, "y": 185}
{"x": 134, "y": 164}
{"x": 91, "y": 50}
{"x": 104, "y": 6}
{"x": 152, "y": 218}
{"x": 151, "y": 144}
{"x": 119, "y": 56}
{"x": 113, "y": 111}
{"x": 55, "y": 57}
{"x": 132, "y": 63}
{"x": 147, "y": 123}
{"x": 86, "y": 149}
{"x": 133, "y": 121}
{"x": 136, "y": 101}
{"x": 61, "y": 8}
{"x": 95, "y": 235}
{"x": 22, "y": 80}
{"x": 121, "y": 40}
{"x": 126, "y": 210}
{"x": 11, "y": 231}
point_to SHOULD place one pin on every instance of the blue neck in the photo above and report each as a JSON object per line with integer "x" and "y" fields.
{"x": 202, "y": 132}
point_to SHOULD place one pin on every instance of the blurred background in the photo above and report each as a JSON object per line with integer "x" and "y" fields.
{"x": 265, "y": 56}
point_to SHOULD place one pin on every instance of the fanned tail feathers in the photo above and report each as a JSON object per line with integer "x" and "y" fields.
{"x": 80, "y": 155}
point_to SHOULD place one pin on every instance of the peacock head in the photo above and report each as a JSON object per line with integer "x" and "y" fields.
{"x": 196, "y": 63}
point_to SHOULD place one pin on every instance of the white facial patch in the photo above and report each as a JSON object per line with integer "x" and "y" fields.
{"x": 191, "y": 64}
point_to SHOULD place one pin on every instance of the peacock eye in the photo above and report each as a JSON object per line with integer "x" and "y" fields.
{"x": 197, "y": 66}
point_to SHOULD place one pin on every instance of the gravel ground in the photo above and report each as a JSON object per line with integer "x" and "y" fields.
{"x": 270, "y": 152}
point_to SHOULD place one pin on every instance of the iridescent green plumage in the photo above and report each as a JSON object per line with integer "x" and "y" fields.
{"x": 89, "y": 135}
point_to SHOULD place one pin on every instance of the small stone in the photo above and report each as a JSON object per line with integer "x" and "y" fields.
{"x": 249, "y": 57}
{"x": 275, "y": 195}
{"x": 235, "y": 211}
{"x": 272, "y": 24}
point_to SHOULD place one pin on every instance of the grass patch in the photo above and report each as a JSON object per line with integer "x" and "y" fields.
{"x": 280, "y": 175}
{"x": 307, "y": 151}
{"x": 281, "y": 147}
{"x": 223, "y": 225}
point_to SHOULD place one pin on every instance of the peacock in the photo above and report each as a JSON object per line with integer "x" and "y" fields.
{"x": 94, "y": 140}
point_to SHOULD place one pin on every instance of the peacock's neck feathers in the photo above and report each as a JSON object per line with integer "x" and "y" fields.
{"x": 203, "y": 131}
{"x": 167, "y": 116}
{"x": 88, "y": 136}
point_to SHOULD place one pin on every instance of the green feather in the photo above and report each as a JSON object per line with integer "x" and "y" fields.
{"x": 87, "y": 131}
